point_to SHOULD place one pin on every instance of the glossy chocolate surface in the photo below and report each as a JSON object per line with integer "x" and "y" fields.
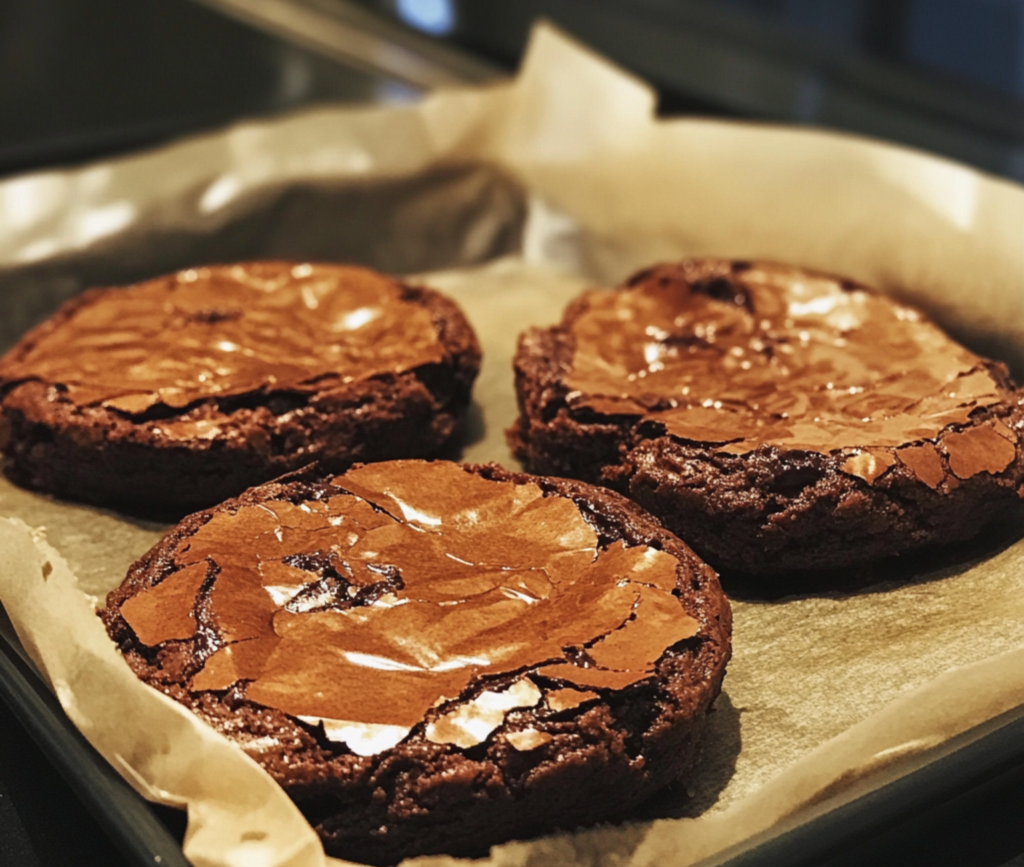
{"x": 370, "y": 609}
{"x": 229, "y": 330}
{"x": 738, "y": 355}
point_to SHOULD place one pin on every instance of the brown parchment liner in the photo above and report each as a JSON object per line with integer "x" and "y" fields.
{"x": 824, "y": 689}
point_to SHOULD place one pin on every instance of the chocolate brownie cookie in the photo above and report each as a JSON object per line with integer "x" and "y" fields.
{"x": 176, "y": 393}
{"x": 431, "y": 657}
{"x": 776, "y": 419}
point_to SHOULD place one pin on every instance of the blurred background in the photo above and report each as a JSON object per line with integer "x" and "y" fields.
{"x": 83, "y": 78}
{"x": 87, "y": 79}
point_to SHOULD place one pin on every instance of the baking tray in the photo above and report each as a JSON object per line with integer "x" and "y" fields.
{"x": 314, "y": 220}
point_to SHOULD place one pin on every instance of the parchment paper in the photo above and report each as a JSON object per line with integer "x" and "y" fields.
{"x": 565, "y": 177}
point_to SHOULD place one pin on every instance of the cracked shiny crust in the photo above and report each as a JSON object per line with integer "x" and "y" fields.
{"x": 102, "y": 455}
{"x": 772, "y": 509}
{"x": 578, "y": 757}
